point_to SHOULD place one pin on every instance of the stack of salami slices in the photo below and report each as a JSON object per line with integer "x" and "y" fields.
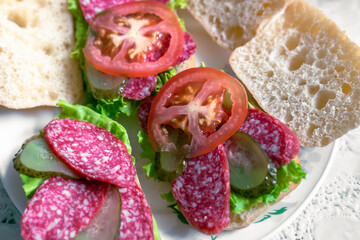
{"x": 104, "y": 202}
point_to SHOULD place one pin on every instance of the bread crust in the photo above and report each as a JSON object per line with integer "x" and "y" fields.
{"x": 245, "y": 218}
{"x": 189, "y": 63}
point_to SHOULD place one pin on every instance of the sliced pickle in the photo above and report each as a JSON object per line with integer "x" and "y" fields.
{"x": 169, "y": 166}
{"x": 104, "y": 86}
{"x": 106, "y": 224}
{"x": 35, "y": 159}
{"x": 252, "y": 172}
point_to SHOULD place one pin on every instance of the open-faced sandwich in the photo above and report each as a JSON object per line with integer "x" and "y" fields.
{"x": 127, "y": 49}
{"x": 81, "y": 182}
{"x": 226, "y": 162}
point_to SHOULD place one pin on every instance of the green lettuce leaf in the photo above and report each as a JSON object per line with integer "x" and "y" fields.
{"x": 169, "y": 197}
{"x": 148, "y": 153}
{"x": 81, "y": 28}
{"x": 30, "y": 184}
{"x": 178, "y": 212}
{"x": 156, "y": 229}
{"x": 162, "y": 78}
{"x": 113, "y": 108}
{"x": 173, "y": 4}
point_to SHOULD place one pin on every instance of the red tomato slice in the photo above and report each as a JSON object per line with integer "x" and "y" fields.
{"x": 208, "y": 106}
{"x": 134, "y": 39}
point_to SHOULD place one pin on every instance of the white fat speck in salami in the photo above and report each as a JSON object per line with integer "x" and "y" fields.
{"x": 97, "y": 154}
{"x": 138, "y": 88}
{"x": 273, "y": 136}
{"x": 203, "y": 191}
{"x": 136, "y": 216}
{"x": 42, "y": 219}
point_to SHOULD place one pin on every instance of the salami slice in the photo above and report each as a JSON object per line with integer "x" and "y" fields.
{"x": 274, "y": 137}
{"x": 188, "y": 49}
{"x": 138, "y": 88}
{"x": 90, "y": 151}
{"x": 143, "y": 112}
{"x": 203, "y": 191}
{"x": 61, "y": 208}
{"x": 92, "y": 7}
{"x": 136, "y": 216}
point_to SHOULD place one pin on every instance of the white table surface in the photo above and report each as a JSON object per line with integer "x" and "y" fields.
{"x": 334, "y": 212}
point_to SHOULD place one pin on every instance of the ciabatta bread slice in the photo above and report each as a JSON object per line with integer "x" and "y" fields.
{"x": 232, "y": 23}
{"x": 302, "y": 69}
{"x": 36, "y": 38}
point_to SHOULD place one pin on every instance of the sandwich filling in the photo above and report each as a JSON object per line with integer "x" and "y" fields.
{"x": 259, "y": 149}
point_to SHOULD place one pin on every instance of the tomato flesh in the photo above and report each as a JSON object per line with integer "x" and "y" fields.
{"x": 193, "y": 101}
{"x": 134, "y": 39}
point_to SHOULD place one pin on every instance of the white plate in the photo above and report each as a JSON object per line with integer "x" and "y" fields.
{"x": 18, "y": 125}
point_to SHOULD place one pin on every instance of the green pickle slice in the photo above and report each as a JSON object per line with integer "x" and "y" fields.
{"x": 169, "y": 166}
{"x": 35, "y": 159}
{"x": 252, "y": 172}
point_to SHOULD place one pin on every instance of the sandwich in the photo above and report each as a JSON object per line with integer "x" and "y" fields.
{"x": 80, "y": 180}
{"x": 226, "y": 162}
{"x": 76, "y": 194}
{"x": 127, "y": 49}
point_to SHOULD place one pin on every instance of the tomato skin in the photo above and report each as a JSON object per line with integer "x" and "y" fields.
{"x": 118, "y": 60}
{"x": 205, "y": 82}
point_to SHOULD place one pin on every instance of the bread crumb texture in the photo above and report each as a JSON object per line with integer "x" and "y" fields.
{"x": 232, "y": 23}
{"x": 305, "y": 71}
{"x": 36, "y": 38}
